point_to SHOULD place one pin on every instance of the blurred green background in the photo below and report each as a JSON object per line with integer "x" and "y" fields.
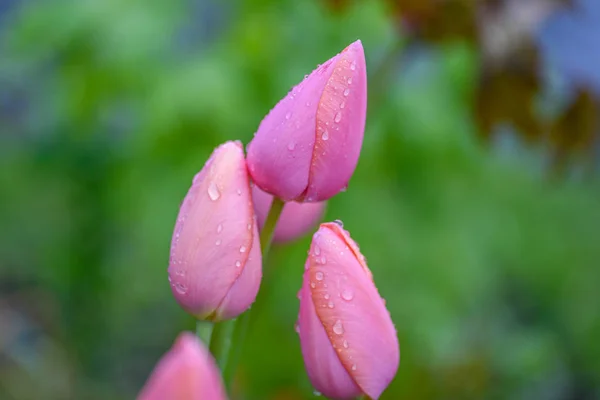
{"x": 476, "y": 199}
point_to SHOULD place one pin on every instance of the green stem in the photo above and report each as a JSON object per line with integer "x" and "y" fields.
{"x": 220, "y": 341}
{"x": 204, "y": 330}
{"x": 243, "y": 321}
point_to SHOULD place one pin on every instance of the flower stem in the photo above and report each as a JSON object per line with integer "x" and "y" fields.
{"x": 220, "y": 342}
{"x": 204, "y": 330}
{"x": 243, "y": 321}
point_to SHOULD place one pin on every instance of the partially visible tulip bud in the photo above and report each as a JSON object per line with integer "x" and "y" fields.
{"x": 349, "y": 343}
{"x": 295, "y": 220}
{"x": 307, "y": 147}
{"x": 215, "y": 266}
{"x": 186, "y": 372}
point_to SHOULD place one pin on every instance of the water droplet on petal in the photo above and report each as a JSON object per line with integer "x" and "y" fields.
{"x": 338, "y": 328}
{"x": 213, "y": 191}
{"x": 339, "y": 222}
{"x": 313, "y": 285}
{"x": 291, "y": 146}
{"x": 238, "y": 263}
{"x": 353, "y": 367}
{"x": 219, "y": 228}
{"x": 249, "y": 226}
{"x": 242, "y": 249}
{"x": 330, "y": 304}
{"x": 325, "y": 134}
{"x": 349, "y": 81}
{"x": 319, "y": 276}
{"x": 317, "y": 250}
{"x": 323, "y": 260}
{"x": 326, "y": 296}
{"x": 345, "y": 344}
{"x": 181, "y": 289}
{"x": 308, "y": 104}
{"x": 218, "y": 242}
{"x": 338, "y": 117}
{"x": 316, "y": 393}
{"x": 297, "y": 327}
{"x": 342, "y": 104}
{"x": 347, "y": 294}
{"x": 347, "y": 90}
{"x": 239, "y": 192}
{"x": 353, "y": 65}
{"x": 288, "y": 115}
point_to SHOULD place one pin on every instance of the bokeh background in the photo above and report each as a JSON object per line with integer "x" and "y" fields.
{"x": 476, "y": 199}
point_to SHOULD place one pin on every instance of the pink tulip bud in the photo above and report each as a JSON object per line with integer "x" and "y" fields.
{"x": 186, "y": 372}
{"x": 307, "y": 147}
{"x": 348, "y": 340}
{"x": 215, "y": 266}
{"x": 296, "y": 219}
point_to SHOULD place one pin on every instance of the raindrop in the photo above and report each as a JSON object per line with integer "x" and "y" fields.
{"x": 338, "y": 117}
{"x": 343, "y": 104}
{"x": 339, "y": 222}
{"x": 219, "y": 228}
{"x": 288, "y": 115}
{"x": 347, "y": 90}
{"x": 325, "y": 135}
{"x": 330, "y": 304}
{"x": 353, "y": 367}
{"x": 291, "y": 146}
{"x": 347, "y": 294}
{"x": 326, "y": 296}
{"x": 180, "y": 273}
{"x": 353, "y": 65}
{"x": 349, "y": 81}
{"x": 181, "y": 289}
{"x": 242, "y": 249}
{"x": 249, "y": 226}
{"x": 338, "y": 328}
{"x": 313, "y": 285}
{"x": 316, "y": 393}
{"x": 297, "y": 327}
{"x": 239, "y": 192}
{"x": 317, "y": 250}
{"x": 345, "y": 344}
{"x": 169, "y": 279}
{"x": 319, "y": 276}
{"x": 323, "y": 260}
{"x": 305, "y": 76}
{"x": 308, "y": 104}
{"x": 218, "y": 242}
{"x": 213, "y": 191}
{"x": 238, "y": 263}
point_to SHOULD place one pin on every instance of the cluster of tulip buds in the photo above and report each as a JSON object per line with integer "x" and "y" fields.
{"x": 303, "y": 153}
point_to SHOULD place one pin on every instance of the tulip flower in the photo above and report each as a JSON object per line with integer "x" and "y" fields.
{"x": 306, "y": 149}
{"x": 215, "y": 266}
{"x": 348, "y": 340}
{"x": 186, "y": 372}
{"x": 295, "y": 220}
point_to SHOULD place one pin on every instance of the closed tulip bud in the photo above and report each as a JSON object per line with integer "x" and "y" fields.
{"x": 186, "y": 372}
{"x": 307, "y": 147}
{"x": 215, "y": 265}
{"x": 348, "y": 340}
{"x": 295, "y": 220}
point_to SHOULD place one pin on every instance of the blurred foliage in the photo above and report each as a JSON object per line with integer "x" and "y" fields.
{"x": 487, "y": 254}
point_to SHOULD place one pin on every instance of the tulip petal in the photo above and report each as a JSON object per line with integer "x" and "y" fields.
{"x": 323, "y": 366}
{"x": 211, "y": 242}
{"x": 351, "y": 310}
{"x": 187, "y": 371}
{"x": 341, "y": 118}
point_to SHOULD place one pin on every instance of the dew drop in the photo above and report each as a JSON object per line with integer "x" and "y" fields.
{"x": 239, "y": 192}
{"x": 330, "y": 304}
{"x": 338, "y": 328}
{"x": 347, "y": 90}
{"x": 291, "y": 146}
{"x": 313, "y": 285}
{"x": 338, "y": 117}
{"x": 342, "y": 105}
{"x": 353, "y": 367}
{"x": 353, "y": 65}
{"x": 316, "y": 393}
{"x": 213, "y": 191}
{"x": 339, "y": 223}
{"x": 181, "y": 289}
{"x": 347, "y": 294}
{"x": 219, "y": 228}
{"x": 308, "y": 104}
{"x": 218, "y": 242}
{"x": 288, "y": 115}
{"x": 297, "y": 327}
{"x": 238, "y": 263}
{"x": 249, "y": 226}
{"x": 345, "y": 344}
{"x": 317, "y": 250}
{"x": 325, "y": 135}
{"x": 349, "y": 81}
{"x": 319, "y": 276}
{"x": 323, "y": 260}
{"x": 242, "y": 249}
{"x": 326, "y": 296}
